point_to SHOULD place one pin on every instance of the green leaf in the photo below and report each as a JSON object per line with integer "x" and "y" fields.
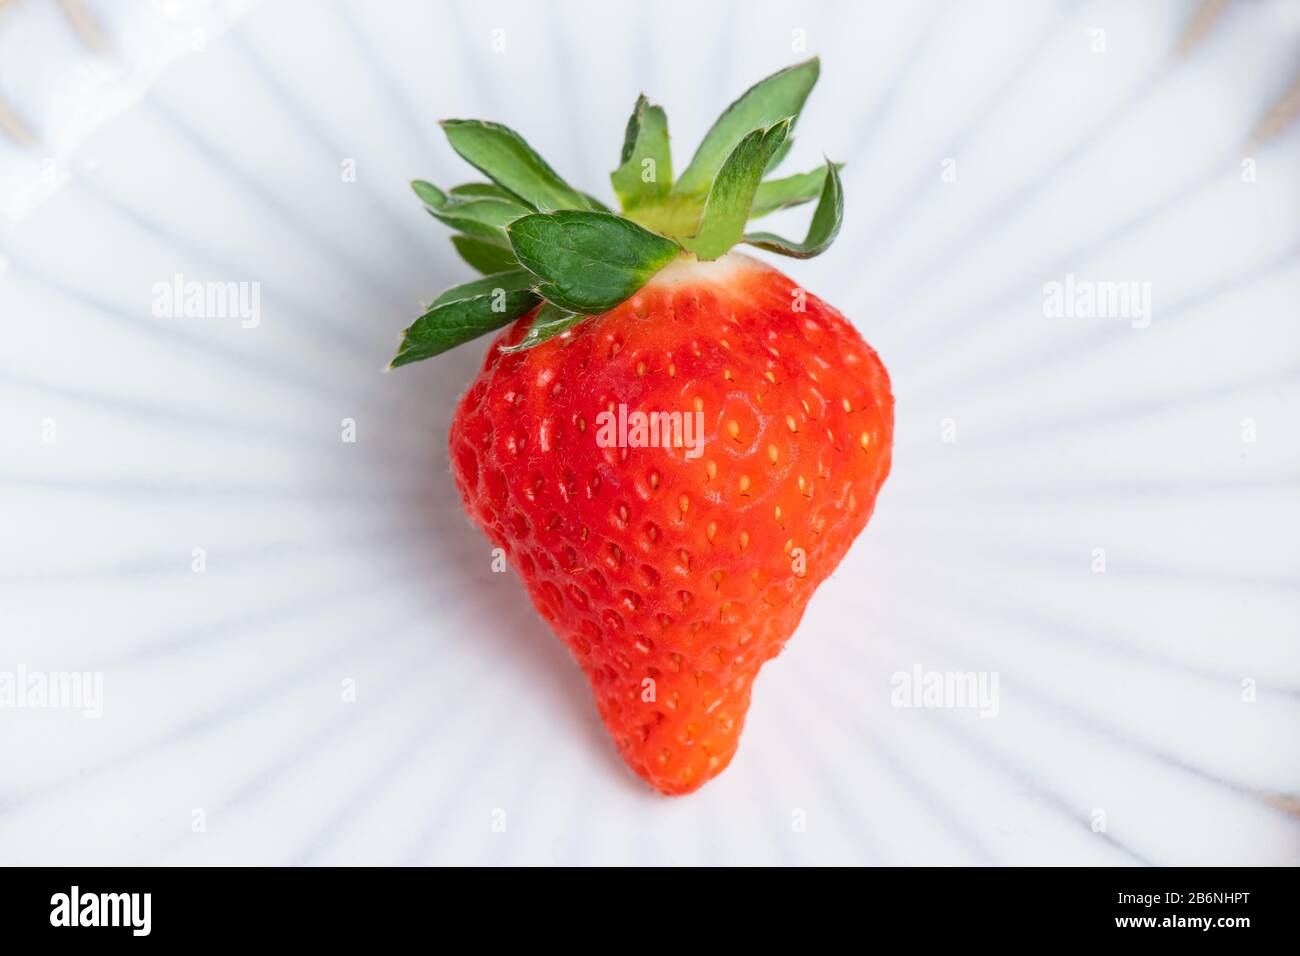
{"x": 466, "y": 312}
{"x": 727, "y": 209}
{"x": 768, "y": 101}
{"x": 824, "y": 228}
{"x": 476, "y": 209}
{"x": 486, "y": 257}
{"x": 504, "y": 157}
{"x": 779, "y": 156}
{"x": 482, "y": 218}
{"x": 645, "y": 153}
{"x": 481, "y": 191}
{"x": 588, "y": 262}
{"x": 432, "y": 197}
{"x": 549, "y": 322}
{"x": 671, "y": 216}
{"x": 509, "y": 281}
{"x": 595, "y": 203}
{"x": 791, "y": 191}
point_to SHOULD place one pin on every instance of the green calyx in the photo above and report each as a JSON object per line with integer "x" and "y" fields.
{"x": 540, "y": 242}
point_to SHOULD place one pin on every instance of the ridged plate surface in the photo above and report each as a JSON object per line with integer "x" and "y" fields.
{"x": 1102, "y": 512}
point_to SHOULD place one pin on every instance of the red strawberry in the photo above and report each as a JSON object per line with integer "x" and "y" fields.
{"x": 671, "y": 579}
{"x": 675, "y": 557}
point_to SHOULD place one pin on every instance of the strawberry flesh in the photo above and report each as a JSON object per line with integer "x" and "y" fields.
{"x": 672, "y": 577}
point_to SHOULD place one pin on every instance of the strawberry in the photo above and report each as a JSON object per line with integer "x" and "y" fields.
{"x": 674, "y": 443}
